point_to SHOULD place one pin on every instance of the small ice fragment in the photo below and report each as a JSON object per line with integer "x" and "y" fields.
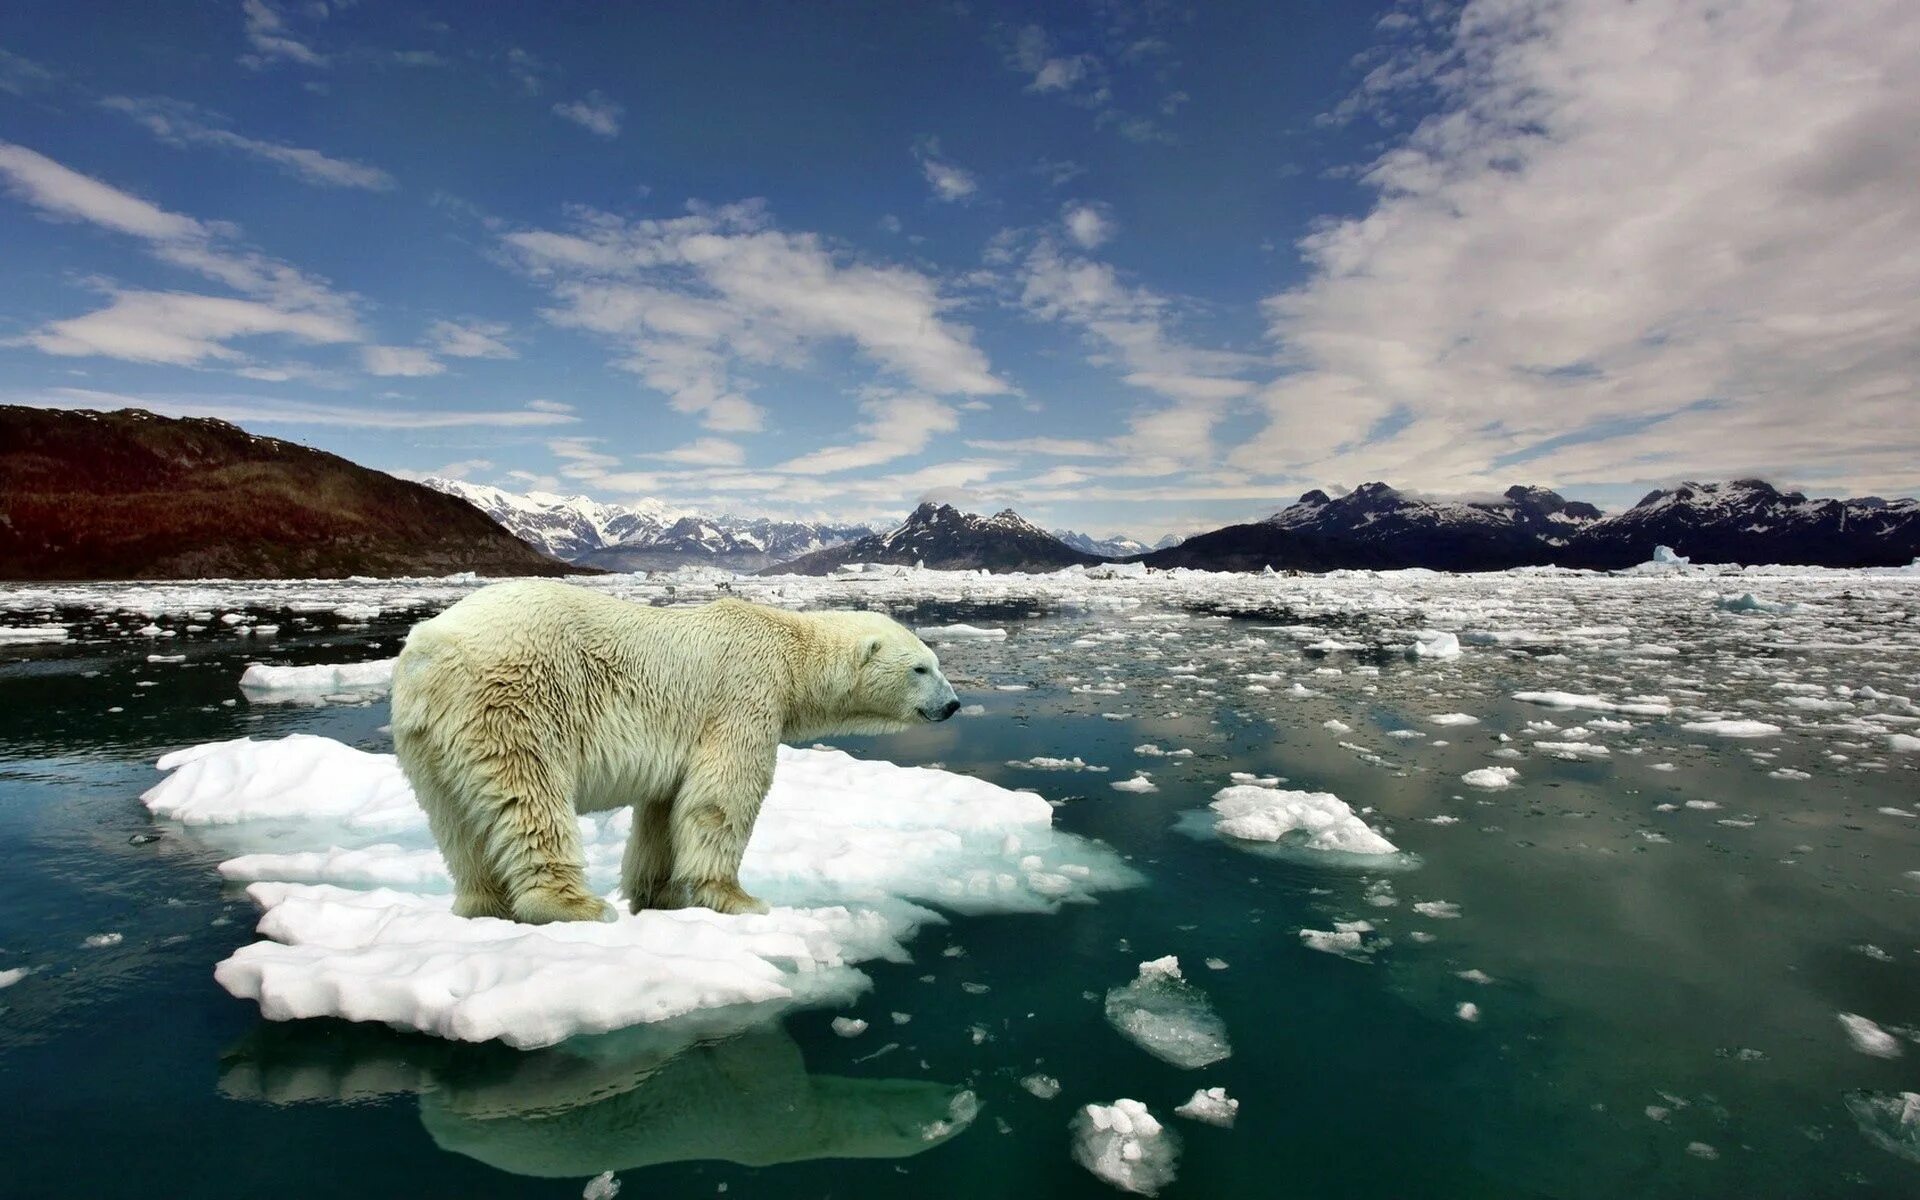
{"x": 1439, "y": 910}
{"x": 937, "y": 634}
{"x": 1216, "y": 964}
{"x": 1168, "y": 1017}
{"x": 1869, "y": 1038}
{"x": 1732, "y": 728}
{"x": 901, "y": 1018}
{"x": 849, "y": 1027}
{"x": 601, "y": 1187}
{"x": 99, "y": 941}
{"x": 1434, "y": 643}
{"x": 1467, "y": 1011}
{"x": 1454, "y": 718}
{"x": 1658, "y": 1112}
{"x": 1124, "y": 1145}
{"x": 1139, "y": 783}
{"x": 1702, "y": 1150}
{"x": 1490, "y": 777}
{"x": 1046, "y": 1087}
{"x": 1890, "y": 1120}
{"x": 14, "y": 975}
{"x": 1211, "y": 1105}
{"x": 1474, "y": 975}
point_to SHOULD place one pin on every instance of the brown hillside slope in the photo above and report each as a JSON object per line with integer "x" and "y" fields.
{"x": 131, "y": 495}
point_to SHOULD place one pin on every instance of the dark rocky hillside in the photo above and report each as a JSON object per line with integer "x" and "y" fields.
{"x": 131, "y": 495}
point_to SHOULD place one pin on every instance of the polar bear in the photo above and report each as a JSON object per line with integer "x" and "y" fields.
{"x": 530, "y": 701}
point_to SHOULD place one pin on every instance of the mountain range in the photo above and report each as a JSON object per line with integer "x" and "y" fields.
{"x": 1379, "y": 527}
{"x": 942, "y": 536}
{"x": 647, "y": 534}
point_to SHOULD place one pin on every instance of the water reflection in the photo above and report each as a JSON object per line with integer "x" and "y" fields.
{"x": 637, "y": 1098}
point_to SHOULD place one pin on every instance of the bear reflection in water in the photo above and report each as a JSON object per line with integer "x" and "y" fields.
{"x": 616, "y": 1102}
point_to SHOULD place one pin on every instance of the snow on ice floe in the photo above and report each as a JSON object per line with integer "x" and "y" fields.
{"x": 1123, "y": 1144}
{"x": 261, "y": 681}
{"x": 1490, "y": 777}
{"x": 1732, "y": 728}
{"x": 1868, "y": 1038}
{"x": 1211, "y": 1105}
{"x": 936, "y": 634}
{"x": 1314, "y": 821}
{"x": 355, "y": 899}
{"x": 1168, "y": 1017}
{"x": 1646, "y": 706}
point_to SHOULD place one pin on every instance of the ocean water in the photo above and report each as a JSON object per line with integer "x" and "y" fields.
{"x": 1659, "y": 928}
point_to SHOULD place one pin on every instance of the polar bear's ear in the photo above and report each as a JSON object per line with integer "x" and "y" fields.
{"x": 868, "y": 648}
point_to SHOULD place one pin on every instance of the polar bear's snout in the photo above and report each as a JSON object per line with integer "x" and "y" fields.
{"x": 943, "y": 704}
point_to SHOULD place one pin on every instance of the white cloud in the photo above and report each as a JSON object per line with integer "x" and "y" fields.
{"x": 271, "y": 40}
{"x": 1089, "y": 224}
{"x": 1056, "y": 447}
{"x": 949, "y": 181}
{"x": 261, "y": 410}
{"x": 1666, "y": 234}
{"x": 1131, "y": 329}
{"x": 180, "y": 124}
{"x": 595, "y": 113}
{"x": 696, "y": 306}
{"x": 67, "y": 194}
{"x": 896, "y": 425}
{"x": 180, "y": 328}
{"x": 173, "y": 327}
{"x": 705, "y": 452}
{"x": 469, "y": 339}
{"x": 399, "y": 360}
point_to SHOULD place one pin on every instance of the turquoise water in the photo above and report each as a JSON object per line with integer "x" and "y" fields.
{"x": 1660, "y": 1017}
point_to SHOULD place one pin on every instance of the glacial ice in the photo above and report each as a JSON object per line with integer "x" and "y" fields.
{"x": 367, "y": 677}
{"x": 1123, "y": 1144}
{"x": 1168, "y": 1017}
{"x": 1310, "y": 820}
{"x": 1211, "y": 1105}
{"x": 353, "y": 894}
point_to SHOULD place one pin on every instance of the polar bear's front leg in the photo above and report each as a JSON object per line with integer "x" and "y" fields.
{"x": 712, "y": 819}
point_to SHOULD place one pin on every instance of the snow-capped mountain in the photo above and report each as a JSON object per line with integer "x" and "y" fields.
{"x": 647, "y": 534}
{"x": 940, "y": 536}
{"x": 1382, "y": 527}
{"x": 1751, "y": 521}
{"x": 1742, "y": 521}
{"x": 1117, "y": 545}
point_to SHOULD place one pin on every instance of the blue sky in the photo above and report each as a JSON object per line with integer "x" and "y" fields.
{"x": 1126, "y": 267}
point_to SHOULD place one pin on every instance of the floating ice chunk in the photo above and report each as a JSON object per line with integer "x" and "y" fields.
{"x": 1139, "y": 783}
{"x": 1454, "y": 718}
{"x": 1905, "y": 743}
{"x": 1348, "y": 939}
{"x": 1732, "y": 728}
{"x": 1440, "y": 910}
{"x": 1311, "y": 820}
{"x": 1890, "y": 1120}
{"x": 1124, "y": 1145}
{"x": 843, "y": 848}
{"x": 1490, "y": 777}
{"x": 1149, "y": 750}
{"x": 1573, "y": 751}
{"x": 1435, "y": 643}
{"x": 1664, "y": 556}
{"x": 849, "y": 1027}
{"x": 14, "y": 975}
{"x": 1702, "y": 1150}
{"x": 374, "y": 676}
{"x": 601, "y": 1187}
{"x": 1748, "y": 604}
{"x": 1869, "y": 1038}
{"x": 32, "y": 635}
{"x": 1467, "y": 1010}
{"x": 1648, "y": 706}
{"x": 1474, "y": 975}
{"x": 936, "y": 634}
{"x": 1046, "y": 1087}
{"x": 1040, "y": 762}
{"x": 100, "y": 941}
{"x": 1168, "y": 1017}
{"x": 1211, "y": 1105}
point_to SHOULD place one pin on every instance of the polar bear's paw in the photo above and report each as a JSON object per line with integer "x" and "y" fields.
{"x": 727, "y": 897}
{"x": 542, "y": 907}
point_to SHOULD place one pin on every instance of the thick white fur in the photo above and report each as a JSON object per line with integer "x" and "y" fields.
{"x": 530, "y": 701}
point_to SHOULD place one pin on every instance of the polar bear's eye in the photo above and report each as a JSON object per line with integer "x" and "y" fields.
{"x": 919, "y": 670}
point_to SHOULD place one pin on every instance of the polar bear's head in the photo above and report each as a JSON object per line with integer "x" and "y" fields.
{"x": 894, "y": 680}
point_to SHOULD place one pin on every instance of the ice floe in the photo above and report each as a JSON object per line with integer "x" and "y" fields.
{"x": 1868, "y": 1038}
{"x": 261, "y": 681}
{"x": 1168, "y": 1017}
{"x": 1123, "y": 1144}
{"x": 355, "y": 906}
{"x": 1211, "y": 1105}
{"x": 1490, "y": 777}
{"x": 1318, "y": 821}
{"x": 937, "y": 634}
